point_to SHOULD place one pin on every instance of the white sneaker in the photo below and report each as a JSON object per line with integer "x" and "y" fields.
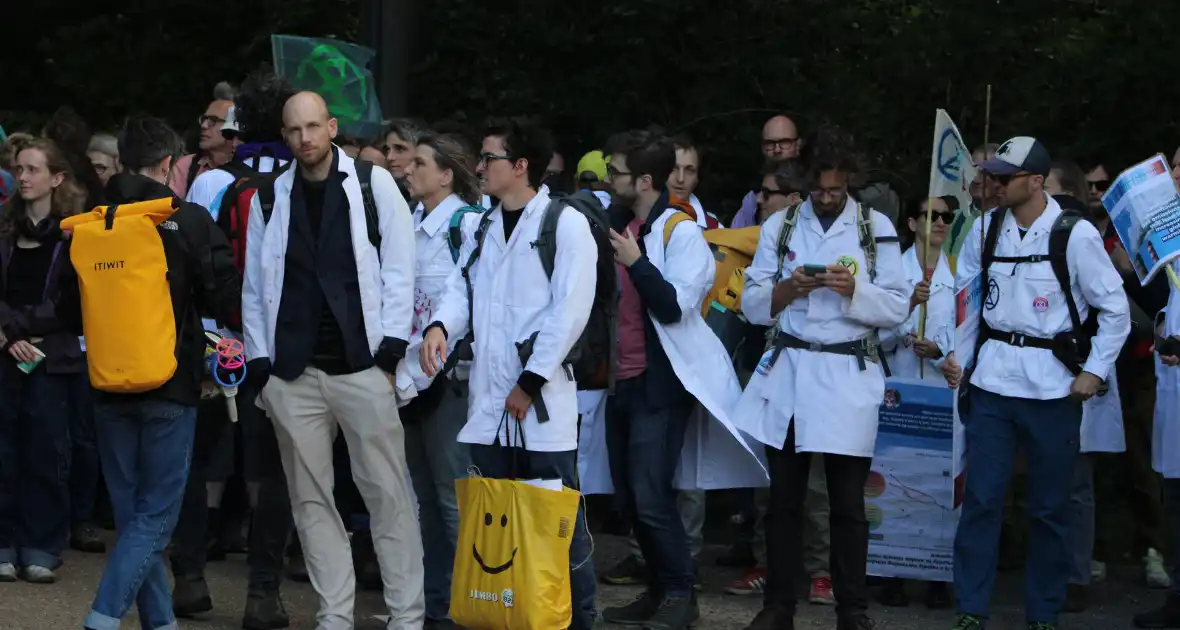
{"x": 39, "y": 575}
{"x": 1097, "y": 571}
{"x": 7, "y": 572}
{"x": 1154, "y": 571}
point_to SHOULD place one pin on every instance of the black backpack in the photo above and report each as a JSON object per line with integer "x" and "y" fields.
{"x": 592, "y": 359}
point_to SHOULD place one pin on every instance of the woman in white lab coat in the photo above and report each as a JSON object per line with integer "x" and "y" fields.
{"x": 914, "y": 358}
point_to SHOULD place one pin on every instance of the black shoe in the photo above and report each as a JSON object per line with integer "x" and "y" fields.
{"x": 772, "y": 619}
{"x": 630, "y": 571}
{"x": 191, "y": 597}
{"x": 855, "y": 622}
{"x": 893, "y": 594}
{"x": 265, "y": 612}
{"x": 739, "y": 556}
{"x": 1166, "y": 617}
{"x": 674, "y": 613}
{"x": 84, "y": 537}
{"x": 1077, "y": 598}
{"x": 634, "y": 614}
{"x": 297, "y": 569}
{"x": 938, "y": 596}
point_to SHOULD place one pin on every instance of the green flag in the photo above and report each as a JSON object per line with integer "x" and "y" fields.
{"x": 338, "y": 71}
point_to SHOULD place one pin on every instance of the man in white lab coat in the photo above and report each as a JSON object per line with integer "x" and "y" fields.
{"x": 1029, "y": 380}
{"x": 826, "y": 283}
{"x": 511, "y": 300}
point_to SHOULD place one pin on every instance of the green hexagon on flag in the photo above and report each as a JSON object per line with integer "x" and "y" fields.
{"x": 338, "y": 71}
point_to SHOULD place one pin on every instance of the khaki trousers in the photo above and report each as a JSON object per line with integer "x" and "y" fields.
{"x": 307, "y": 413}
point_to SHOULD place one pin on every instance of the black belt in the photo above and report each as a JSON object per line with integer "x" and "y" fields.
{"x": 859, "y": 349}
{"x": 1020, "y": 340}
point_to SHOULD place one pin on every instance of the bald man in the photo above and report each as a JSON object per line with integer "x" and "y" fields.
{"x": 327, "y": 305}
{"x": 780, "y": 143}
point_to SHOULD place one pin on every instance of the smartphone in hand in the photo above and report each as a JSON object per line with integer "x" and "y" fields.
{"x": 814, "y": 270}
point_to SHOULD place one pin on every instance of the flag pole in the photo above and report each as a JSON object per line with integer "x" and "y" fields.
{"x": 987, "y": 127}
{"x": 926, "y": 272}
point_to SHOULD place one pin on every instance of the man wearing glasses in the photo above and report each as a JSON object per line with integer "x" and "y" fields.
{"x": 1026, "y": 389}
{"x": 214, "y": 149}
{"x": 780, "y": 143}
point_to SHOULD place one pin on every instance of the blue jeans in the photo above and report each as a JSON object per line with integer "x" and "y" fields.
{"x": 146, "y": 449}
{"x": 500, "y": 462}
{"x": 34, "y": 465}
{"x": 84, "y": 462}
{"x": 1050, "y": 432}
{"x": 436, "y": 459}
{"x": 643, "y": 441}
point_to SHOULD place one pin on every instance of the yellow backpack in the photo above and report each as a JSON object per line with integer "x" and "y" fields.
{"x": 126, "y": 304}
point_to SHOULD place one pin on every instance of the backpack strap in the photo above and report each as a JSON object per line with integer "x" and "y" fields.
{"x": 868, "y": 241}
{"x": 464, "y": 345}
{"x": 986, "y": 257}
{"x": 783, "y": 245}
{"x": 546, "y": 243}
{"x": 455, "y": 230}
{"x": 1058, "y": 246}
{"x": 676, "y": 219}
{"x": 364, "y": 176}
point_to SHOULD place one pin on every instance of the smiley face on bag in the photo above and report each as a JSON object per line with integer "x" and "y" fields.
{"x": 487, "y": 521}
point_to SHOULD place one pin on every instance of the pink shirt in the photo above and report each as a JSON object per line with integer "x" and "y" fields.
{"x": 632, "y": 341}
{"x": 178, "y": 180}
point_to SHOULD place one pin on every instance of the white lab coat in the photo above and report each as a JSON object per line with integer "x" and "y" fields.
{"x": 940, "y": 322}
{"x": 1165, "y": 439}
{"x": 833, "y": 402}
{"x": 514, "y": 299}
{"x": 593, "y": 458}
{"x": 433, "y": 269}
{"x": 1026, "y": 298}
{"x": 715, "y": 454}
{"x": 1102, "y": 421}
{"x": 386, "y": 280}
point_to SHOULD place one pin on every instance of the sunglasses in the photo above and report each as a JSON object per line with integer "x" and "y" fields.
{"x": 1004, "y": 180}
{"x": 1100, "y": 185}
{"x": 947, "y": 216}
{"x": 770, "y": 192}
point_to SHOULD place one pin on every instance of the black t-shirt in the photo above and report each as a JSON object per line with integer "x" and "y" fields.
{"x": 328, "y": 352}
{"x": 313, "y": 195}
{"x": 511, "y": 218}
{"x": 26, "y": 274}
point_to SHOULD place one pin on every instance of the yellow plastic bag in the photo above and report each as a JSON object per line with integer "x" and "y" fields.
{"x": 512, "y": 559}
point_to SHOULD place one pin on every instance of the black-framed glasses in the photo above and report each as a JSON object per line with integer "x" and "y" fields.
{"x": 779, "y": 143}
{"x": 612, "y": 172}
{"x": 487, "y": 158}
{"x": 209, "y": 120}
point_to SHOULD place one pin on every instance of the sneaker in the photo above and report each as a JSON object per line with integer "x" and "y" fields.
{"x": 190, "y": 597}
{"x": 968, "y": 622}
{"x": 1154, "y": 571}
{"x": 739, "y": 556}
{"x": 7, "y": 572}
{"x": 893, "y": 594}
{"x": 634, "y": 614}
{"x": 1077, "y": 598}
{"x": 84, "y": 537}
{"x": 630, "y": 571}
{"x": 674, "y": 613}
{"x": 772, "y": 619}
{"x": 1097, "y": 572}
{"x": 39, "y": 575}
{"x": 265, "y": 612}
{"x": 821, "y": 592}
{"x": 752, "y": 583}
{"x": 938, "y": 596}
{"x": 1168, "y": 616}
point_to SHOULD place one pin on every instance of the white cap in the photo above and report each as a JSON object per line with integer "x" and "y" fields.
{"x": 231, "y": 122}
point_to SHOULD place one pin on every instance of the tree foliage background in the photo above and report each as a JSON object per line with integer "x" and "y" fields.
{"x": 1089, "y": 77}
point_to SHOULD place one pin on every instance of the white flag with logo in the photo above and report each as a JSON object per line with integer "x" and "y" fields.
{"x": 951, "y": 167}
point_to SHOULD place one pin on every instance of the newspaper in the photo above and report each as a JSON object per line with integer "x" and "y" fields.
{"x": 1144, "y": 209}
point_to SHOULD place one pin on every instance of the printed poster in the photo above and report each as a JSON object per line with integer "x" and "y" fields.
{"x": 1144, "y": 208}
{"x": 910, "y": 493}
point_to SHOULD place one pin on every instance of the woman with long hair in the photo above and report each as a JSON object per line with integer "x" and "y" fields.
{"x": 441, "y": 176}
{"x": 42, "y": 360}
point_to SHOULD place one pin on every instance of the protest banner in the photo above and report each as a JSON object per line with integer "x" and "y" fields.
{"x": 951, "y": 173}
{"x": 1144, "y": 208}
{"x": 910, "y": 492}
{"x": 967, "y": 312}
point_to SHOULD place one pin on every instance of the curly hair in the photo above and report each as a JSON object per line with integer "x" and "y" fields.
{"x": 830, "y": 148}
{"x": 258, "y": 106}
{"x": 68, "y": 198}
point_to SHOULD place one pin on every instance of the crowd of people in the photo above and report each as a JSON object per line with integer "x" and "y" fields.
{"x": 404, "y": 317}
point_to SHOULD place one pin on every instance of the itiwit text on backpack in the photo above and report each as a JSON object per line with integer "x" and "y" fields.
{"x": 127, "y": 312}
{"x": 1071, "y": 347}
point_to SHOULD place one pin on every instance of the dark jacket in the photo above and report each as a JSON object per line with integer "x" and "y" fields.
{"x": 320, "y": 280}
{"x": 202, "y": 281}
{"x": 658, "y": 298}
{"x": 63, "y": 354}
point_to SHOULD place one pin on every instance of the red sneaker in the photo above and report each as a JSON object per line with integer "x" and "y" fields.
{"x": 752, "y": 583}
{"x": 821, "y": 592}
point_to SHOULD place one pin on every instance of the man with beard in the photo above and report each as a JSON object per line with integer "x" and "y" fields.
{"x": 327, "y": 307}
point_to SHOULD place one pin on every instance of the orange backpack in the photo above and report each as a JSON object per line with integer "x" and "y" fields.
{"x": 126, "y": 304}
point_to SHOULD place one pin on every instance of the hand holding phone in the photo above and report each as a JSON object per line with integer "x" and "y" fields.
{"x": 814, "y": 270}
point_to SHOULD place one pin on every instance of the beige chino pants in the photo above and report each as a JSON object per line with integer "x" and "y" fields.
{"x": 305, "y": 413}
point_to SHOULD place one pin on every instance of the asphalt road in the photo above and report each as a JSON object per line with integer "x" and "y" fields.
{"x": 63, "y": 605}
